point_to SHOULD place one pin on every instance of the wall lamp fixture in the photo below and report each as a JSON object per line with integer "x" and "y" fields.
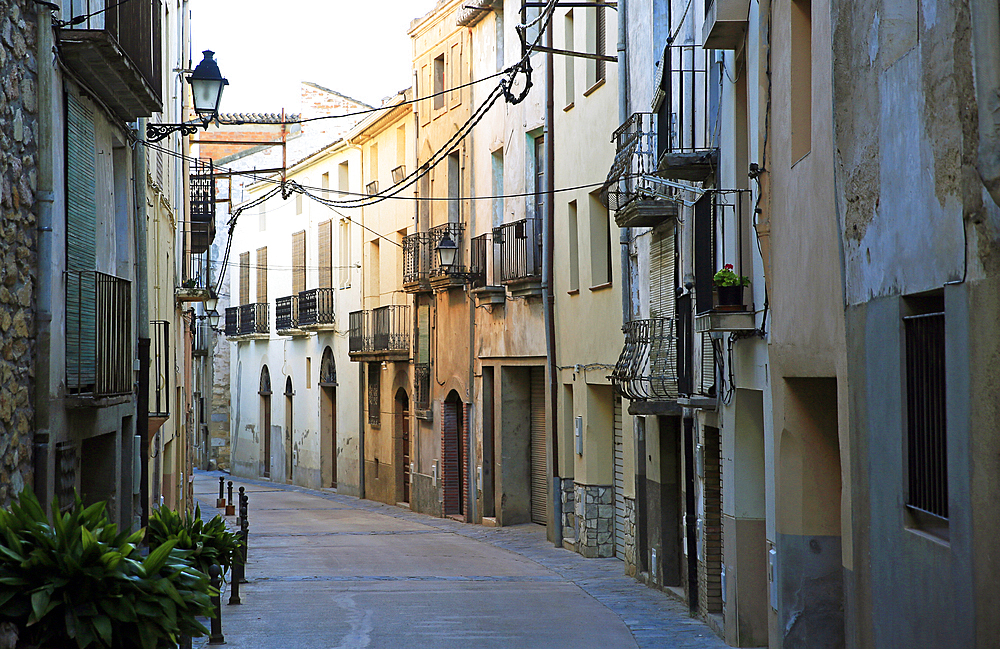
{"x": 207, "y": 84}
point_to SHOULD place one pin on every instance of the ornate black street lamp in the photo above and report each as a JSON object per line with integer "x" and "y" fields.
{"x": 446, "y": 250}
{"x": 207, "y": 84}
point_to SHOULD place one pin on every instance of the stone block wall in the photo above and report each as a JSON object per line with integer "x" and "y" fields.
{"x": 18, "y": 243}
{"x": 568, "y": 513}
{"x": 629, "y": 553}
{"x": 595, "y": 518}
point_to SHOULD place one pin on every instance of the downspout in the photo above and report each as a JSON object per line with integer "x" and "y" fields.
{"x": 142, "y": 315}
{"x": 473, "y": 457}
{"x": 624, "y": 234}
{"x": 44, "y": 197}
{"x": 548, "y": 301}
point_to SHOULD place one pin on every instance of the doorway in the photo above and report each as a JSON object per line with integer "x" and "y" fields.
{"x": 265, "y": 420}
{"x": 289, "y": 421}
{"x": 402, "y": 446}
{"x": 328, "y": 418}
{"x": 489, "y": 497}
{"x": 453, "y": 455}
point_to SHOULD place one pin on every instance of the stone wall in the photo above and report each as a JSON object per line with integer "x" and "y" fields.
{"x": 18, "y": 246}
{"x": 630, "y": 558}
{"x": 568, "y": 513}
{"x": 595, "y": 518}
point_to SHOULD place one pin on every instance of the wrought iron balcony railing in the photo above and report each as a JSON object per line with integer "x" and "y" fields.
{"x": 382, "y": 330}
{"x": 202, "y": 337}
{"x": 160, "y": 366}
{"x": 417, "y": 251}
{"x": 518, "y": 250}
{"x": 316, "y": 307}
{"x": 286, "y": 313}
{"x": 232, "y": 321}
{"x": 201, "y": 230}
{"x": 688, "y": 115}
{"x": 635, "y": 161}
{"x": 480, "y": 262}
{"x": 98, "y": 334}
{"x": 254, "y": 318}
{"x": 422, "y": 386}
{"x": 647, "y": 367}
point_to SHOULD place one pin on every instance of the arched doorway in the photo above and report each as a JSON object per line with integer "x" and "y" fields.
{"x": 454, "y": 455}
{"x": 265, "y": 421}
{"x": 328, "y": 418}
{"x": 289, "y": 421}
{"x": 402, "y": 438}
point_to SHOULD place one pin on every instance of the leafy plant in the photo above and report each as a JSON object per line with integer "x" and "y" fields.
{"x": 78, "y": 581}
{"x": 726, "y": 277}
{"x": 208, "y": 543}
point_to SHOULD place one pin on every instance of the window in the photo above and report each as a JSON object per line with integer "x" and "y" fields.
{"x": 324, "y": 253}
{"x": 424, "y": 206}
{"x": 374, "y": 394}
{"x": 262, "y": 216}
{"x": 425, "y": 92}
{"x": 400, "y": 148}
{"x": 499, "y": 39}
{"x": 538, "y": 161}
{"x": 309, "y": 372}
{"x": 600, "y": 243}
{"x": 596, "y": 37}
{"x": 324, "y": 183}
{"x": 454, "y": 187}
{"x": 345, "y": 253}
{"x": 374, "y": 271}
{"x": 438, "y": 72}
{"x": 262, "y": 275}
{"x": 926, "y": 429}
{"x": 298, "y": 203}
{"x": 298, "y": 262}
{"x": 372, "y": 186}
{"x": 344, "y": 178}
{"x": 497, "y": 164}
{"x": 572, "y": 231}
{"x": 456, "y": 74}
{"x": 801, "y": 78}
{"x": 570, "y": 61}
{"x": 244, "y": 278}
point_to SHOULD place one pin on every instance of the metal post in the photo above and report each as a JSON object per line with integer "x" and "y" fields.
{"x": 245, "y": 531}
{"x": 237, "y": 575}
{"x": 230, "y": 504}
{"x": 221, "y": 502}
{"x": 216, "y": 637}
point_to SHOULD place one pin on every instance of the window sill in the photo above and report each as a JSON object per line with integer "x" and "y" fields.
{"x": 601, "y": 287}
{"x": 931, "y": 527}
{"x": 574, "y": 291}
{"x": 568, "y": 107}
{"x": 593, "y": 88}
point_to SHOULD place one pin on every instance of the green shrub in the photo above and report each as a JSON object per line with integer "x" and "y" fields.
{"x": 77, "y": 581}
{"x": 209, "y": 543}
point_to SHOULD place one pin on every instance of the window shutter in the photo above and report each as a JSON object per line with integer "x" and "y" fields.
{"x": 298, "y": 262}
{"x": 325, "y": 253}
{"x": 663, "y": 309}
{"x": 262, "y": 275}
{"x": 244, "y": 278}
{"x": 81, "y": 246}
{"x": 602, "y": 35}
{"x": 704, "y": 253}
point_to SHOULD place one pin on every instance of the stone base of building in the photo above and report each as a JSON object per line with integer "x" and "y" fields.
{"x": 568, "y": 514}
{"x": 595, "y": 520}
{"x": 629, "y": 549}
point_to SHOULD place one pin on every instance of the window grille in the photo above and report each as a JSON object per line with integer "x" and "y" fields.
{"x": 926, "y": 429}
{"x": 374, "y": 394}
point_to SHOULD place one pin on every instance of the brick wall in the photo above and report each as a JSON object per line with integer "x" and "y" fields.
{"x": 18, "y": 246}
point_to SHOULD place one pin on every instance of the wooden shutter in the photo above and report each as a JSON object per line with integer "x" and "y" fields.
{"x": 602, "y": 37}
{"x": 81, "y": 246}
{"x": 324, "y": 240}
{"x": 663, "y": 309}
{"x": 451, "y": 464}
{"x": 345, "y": 253}
{"x": 619, "y": 481}
{"x": 244, "y": 278}
{"x": 539, "y": 474}
{"x": 262, "y": 275}
{"x": 298, "y": 262}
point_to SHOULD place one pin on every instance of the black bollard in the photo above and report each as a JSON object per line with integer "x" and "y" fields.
{"x": 244, "y": 533}
{"x": 230, "y": 504}
{"x": 236, "y": 575}
{"x": 221, "y": 502}
{"x": 216, "y": 637}
{"x": 243, "y": 503}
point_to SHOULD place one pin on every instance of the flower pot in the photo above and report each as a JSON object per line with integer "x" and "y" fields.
{"x": 730, "y": 295}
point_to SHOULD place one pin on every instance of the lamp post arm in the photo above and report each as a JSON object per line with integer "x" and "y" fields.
{"x": 157, "y": 132}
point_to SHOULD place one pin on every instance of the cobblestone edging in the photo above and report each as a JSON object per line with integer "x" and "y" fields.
{"x": 595, "y": 520}
{"x": 18, "y": 248}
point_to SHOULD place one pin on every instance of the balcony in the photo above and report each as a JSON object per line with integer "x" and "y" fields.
{"x": 482, "y": 272}
{"x": 201, "y": 232}
{"x": 248, "y": 322}
{"x": 687, "y": 105}
{"x": 443, "y": 278}
{"x": 286, "y": 316}
{"x": 646, "y": 370}
{"x": 316, "y": 309}
{"x": 720, "y": 230}
{"x": 631, "y": 190}
{"x": 196, "y": 281}
{"x": 98, "y": 336}
{"x": 203, "y": 339}
{"x": 382, "y": 334}
{"x": 518, "y": 256}
{"x": 417, "y": 252}
{"x": 725, "y": 24}
{"x": 160, "y": 367}
{"x": 116, "y": 51}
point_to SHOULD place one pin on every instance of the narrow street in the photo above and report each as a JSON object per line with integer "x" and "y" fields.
{"x": 329, "y": 571}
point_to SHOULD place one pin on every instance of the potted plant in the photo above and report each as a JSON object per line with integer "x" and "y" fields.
{"x": 729, "y": 286}
{"x": 209, "y": 543}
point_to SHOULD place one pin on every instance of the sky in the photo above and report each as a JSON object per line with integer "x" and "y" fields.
{"x": 265, "y": 49}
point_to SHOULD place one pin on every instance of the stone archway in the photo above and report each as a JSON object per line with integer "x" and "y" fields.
{"x": 328, "y": 418}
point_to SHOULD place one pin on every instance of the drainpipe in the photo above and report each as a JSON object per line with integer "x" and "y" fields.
{"x": 548, "y": 301}
{"x": 44, "y": 197}
{"x": 624, "y": 234}
{"x": 142, "y": 314}
{"x": 470, "y": 430}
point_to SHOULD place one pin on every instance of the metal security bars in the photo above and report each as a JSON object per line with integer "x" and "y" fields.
{"x": 382, "y": 330}
{"x": 635, "y": 161}
{"x": 202, "y": 226}
{"x": 417, "y": 252}
{"x": 518, "y": 250}
{"x": 926, "y": 427}
{"x": 254, "y": 318}
{"x": 374, "y": 394}
{"x": 358, "y": 325}
{"x": 481, "y": 261}
{"x": 647, "y": 366}
{"x": 160, "y": 367}
{"x": 286, "y": 313}
{"x": 690, "y": 103}
{"x": 232, "y": 321}
{"x": 316, "y": 306}
{"x": 422, "y": 386}
{"x": 98, "y": 334}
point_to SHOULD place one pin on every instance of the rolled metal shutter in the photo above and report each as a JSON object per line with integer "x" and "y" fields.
{"x": 619, "y": 482}
{"x": 539, "y": 474}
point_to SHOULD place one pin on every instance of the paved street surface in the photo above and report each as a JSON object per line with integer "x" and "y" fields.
{"x": 328, "y": 571}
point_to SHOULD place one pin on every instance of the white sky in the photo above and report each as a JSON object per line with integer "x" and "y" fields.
{"x": 265, "y": 48}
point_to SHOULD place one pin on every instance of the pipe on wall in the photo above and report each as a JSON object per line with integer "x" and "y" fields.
{"x": 625, "y": 234}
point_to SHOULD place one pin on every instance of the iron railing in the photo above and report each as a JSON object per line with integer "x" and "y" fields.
{"x": 689, "y": 112}
{"x": 385, "y": 329}
{"x": 647, "y": 366}
{"x": 160, "y": 367}
{"x": 416, "y": 257}
{"x": 422, "y": 386}
{"x": 481, "y": 261}
{"x": 635, "y": 161}
{"x": 254, "y": 318}
{"x": 202, "y": 226}
{"x": 202, "y": 344}
{"x": 316, "y": 306}
{"x": 518, "y": 250}
{"x": 98, "y": 334}
{"x": 455, "y": 232}
{"x": 232, "y": 321}
{"x": 374, "y": 394}
{"x": 926, "y": 413}
{"x": 195, "y": 270}
{"x": 134, "y": 25}
{"x": 286, "y": 313}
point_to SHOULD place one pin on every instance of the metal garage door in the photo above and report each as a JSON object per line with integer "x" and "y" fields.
{"x": 619, "y": 482}
{"x": 539, "y": 481}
